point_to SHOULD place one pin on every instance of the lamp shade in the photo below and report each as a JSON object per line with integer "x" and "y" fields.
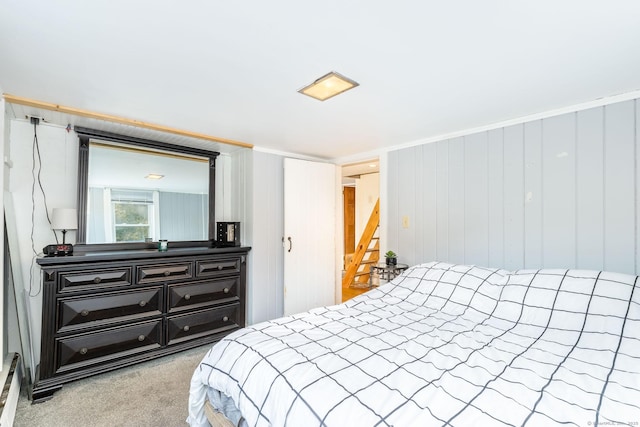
{"x": 64, "y": 219}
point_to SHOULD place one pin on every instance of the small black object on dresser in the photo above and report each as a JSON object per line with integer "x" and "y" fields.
{"x": 106, "y": 310}
{"x": 228, "y": 234}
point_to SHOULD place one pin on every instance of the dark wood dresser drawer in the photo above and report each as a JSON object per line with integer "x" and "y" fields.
{"x": 154, "y": 273}
{"x": 203, "y": 294}
{"x": 79, "y": 351}
{"x": 202, "y": 323}
{"x": 217, "y": 267}
{"x": 103, "y": 309}
{"x": 112, "y": 307}
{"x": 73, "y": 281}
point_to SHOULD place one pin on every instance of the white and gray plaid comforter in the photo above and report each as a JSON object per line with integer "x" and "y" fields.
{"x": 442, "y": 345}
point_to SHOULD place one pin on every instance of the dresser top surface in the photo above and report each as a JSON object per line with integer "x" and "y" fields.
{"x": 116, "y": 255}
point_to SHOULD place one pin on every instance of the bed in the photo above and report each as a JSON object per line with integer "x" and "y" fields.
{"x": 441, "y": 344}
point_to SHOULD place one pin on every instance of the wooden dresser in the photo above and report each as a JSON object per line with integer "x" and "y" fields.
{"x": 105, "y": 310}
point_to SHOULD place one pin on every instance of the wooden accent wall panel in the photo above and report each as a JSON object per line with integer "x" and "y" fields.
{"x": 557, "y": 192}
{"x": 349, "y": 207}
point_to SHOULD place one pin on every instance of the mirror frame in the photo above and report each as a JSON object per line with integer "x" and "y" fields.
{"x": 85, "y": 135}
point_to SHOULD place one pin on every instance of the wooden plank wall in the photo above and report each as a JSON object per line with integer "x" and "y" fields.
{"x": 559, "y": 192}
{"x": 266, "y": 275}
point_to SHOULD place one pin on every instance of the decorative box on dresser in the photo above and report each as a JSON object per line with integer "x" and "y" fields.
{"x": 105, "y": 310}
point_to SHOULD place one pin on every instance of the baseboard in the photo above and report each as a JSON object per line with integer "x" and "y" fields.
{"x": 11, "y": 379}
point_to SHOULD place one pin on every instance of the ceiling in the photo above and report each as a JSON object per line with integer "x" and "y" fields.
{"x": 232, "y": 68}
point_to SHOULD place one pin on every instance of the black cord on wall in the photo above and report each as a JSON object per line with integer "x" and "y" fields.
{"x": 36, "y": 169}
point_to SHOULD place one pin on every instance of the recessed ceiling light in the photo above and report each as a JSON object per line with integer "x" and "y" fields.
{"x": 327, "y": 86}
{"x": 372, "y": 165}
{"x": 154, "y": 176}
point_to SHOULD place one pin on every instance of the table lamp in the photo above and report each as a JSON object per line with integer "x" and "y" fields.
{"x": 62, "y": 219}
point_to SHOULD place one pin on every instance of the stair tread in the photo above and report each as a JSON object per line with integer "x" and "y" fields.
{"x": 361, "y": 273}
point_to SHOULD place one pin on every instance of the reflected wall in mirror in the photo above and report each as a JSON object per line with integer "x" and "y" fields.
{"x": 141, "y": 191}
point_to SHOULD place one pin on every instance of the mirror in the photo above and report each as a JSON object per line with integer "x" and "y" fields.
{"x": 136, "y": 191}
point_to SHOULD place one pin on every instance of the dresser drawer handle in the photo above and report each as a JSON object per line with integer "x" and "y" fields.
{"x": 167, "y": 273}
{"x": 225, "y": 290}
{"x": 141, "y": 338}
{"x": 97, "y": 280}
{"x": 225, "y": 319}
{"x": 220, "y": 267}
{"x": 142, "y": 303}
{"x": 186, "y": 328}
{"x": 84, "y": 313}
{"x": 83, "y": 350}
{"x": 187, "y": 297}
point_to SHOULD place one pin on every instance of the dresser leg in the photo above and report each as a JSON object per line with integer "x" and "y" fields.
{"x": 42, "y": 395}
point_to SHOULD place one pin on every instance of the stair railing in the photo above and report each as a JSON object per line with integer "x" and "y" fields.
{"x": 363, "y": 247}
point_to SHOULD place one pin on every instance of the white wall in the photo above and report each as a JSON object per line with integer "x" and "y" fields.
{"x": 58, "y": 177}
{"x": 3, "y": 135}
{"x": 559, "y": 192}
{"x": 266, "y": 281}
{"x": 10, "y": 342}
{"x": 224, "y": 188}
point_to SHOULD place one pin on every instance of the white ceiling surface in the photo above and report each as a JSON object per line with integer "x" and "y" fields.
{"x": 232, "y": 68}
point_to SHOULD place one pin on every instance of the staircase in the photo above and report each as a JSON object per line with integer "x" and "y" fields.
{"x": 367, "y": 252}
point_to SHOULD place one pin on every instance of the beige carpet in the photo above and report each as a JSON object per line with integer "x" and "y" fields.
{"x": 153, "y": 393}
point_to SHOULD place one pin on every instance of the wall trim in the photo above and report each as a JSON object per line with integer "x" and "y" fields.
{"x": 12, "y": 375}
{"x": 13, "y": 99}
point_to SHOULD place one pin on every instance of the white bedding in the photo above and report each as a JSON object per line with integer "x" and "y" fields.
{"x": 442, "y": 344}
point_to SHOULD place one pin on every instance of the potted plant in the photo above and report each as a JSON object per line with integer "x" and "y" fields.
{"x": 391, "y": 258}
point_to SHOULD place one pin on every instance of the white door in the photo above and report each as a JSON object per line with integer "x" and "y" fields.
{"x": 309, "y": 239}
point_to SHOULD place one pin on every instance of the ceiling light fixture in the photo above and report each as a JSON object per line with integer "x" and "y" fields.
{"x": 328, "y": 86}
{"x": 154, "y": 176}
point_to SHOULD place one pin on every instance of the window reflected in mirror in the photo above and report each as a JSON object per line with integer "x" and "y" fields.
{"x": 138, "y": 194}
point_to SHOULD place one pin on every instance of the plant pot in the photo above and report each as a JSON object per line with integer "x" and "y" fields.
{"x": 391, "y": 261}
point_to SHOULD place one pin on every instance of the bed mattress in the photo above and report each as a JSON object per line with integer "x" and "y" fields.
{"x": 441, "y": 344}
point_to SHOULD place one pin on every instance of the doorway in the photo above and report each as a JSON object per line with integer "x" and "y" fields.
{"x": 361, "y": 190}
